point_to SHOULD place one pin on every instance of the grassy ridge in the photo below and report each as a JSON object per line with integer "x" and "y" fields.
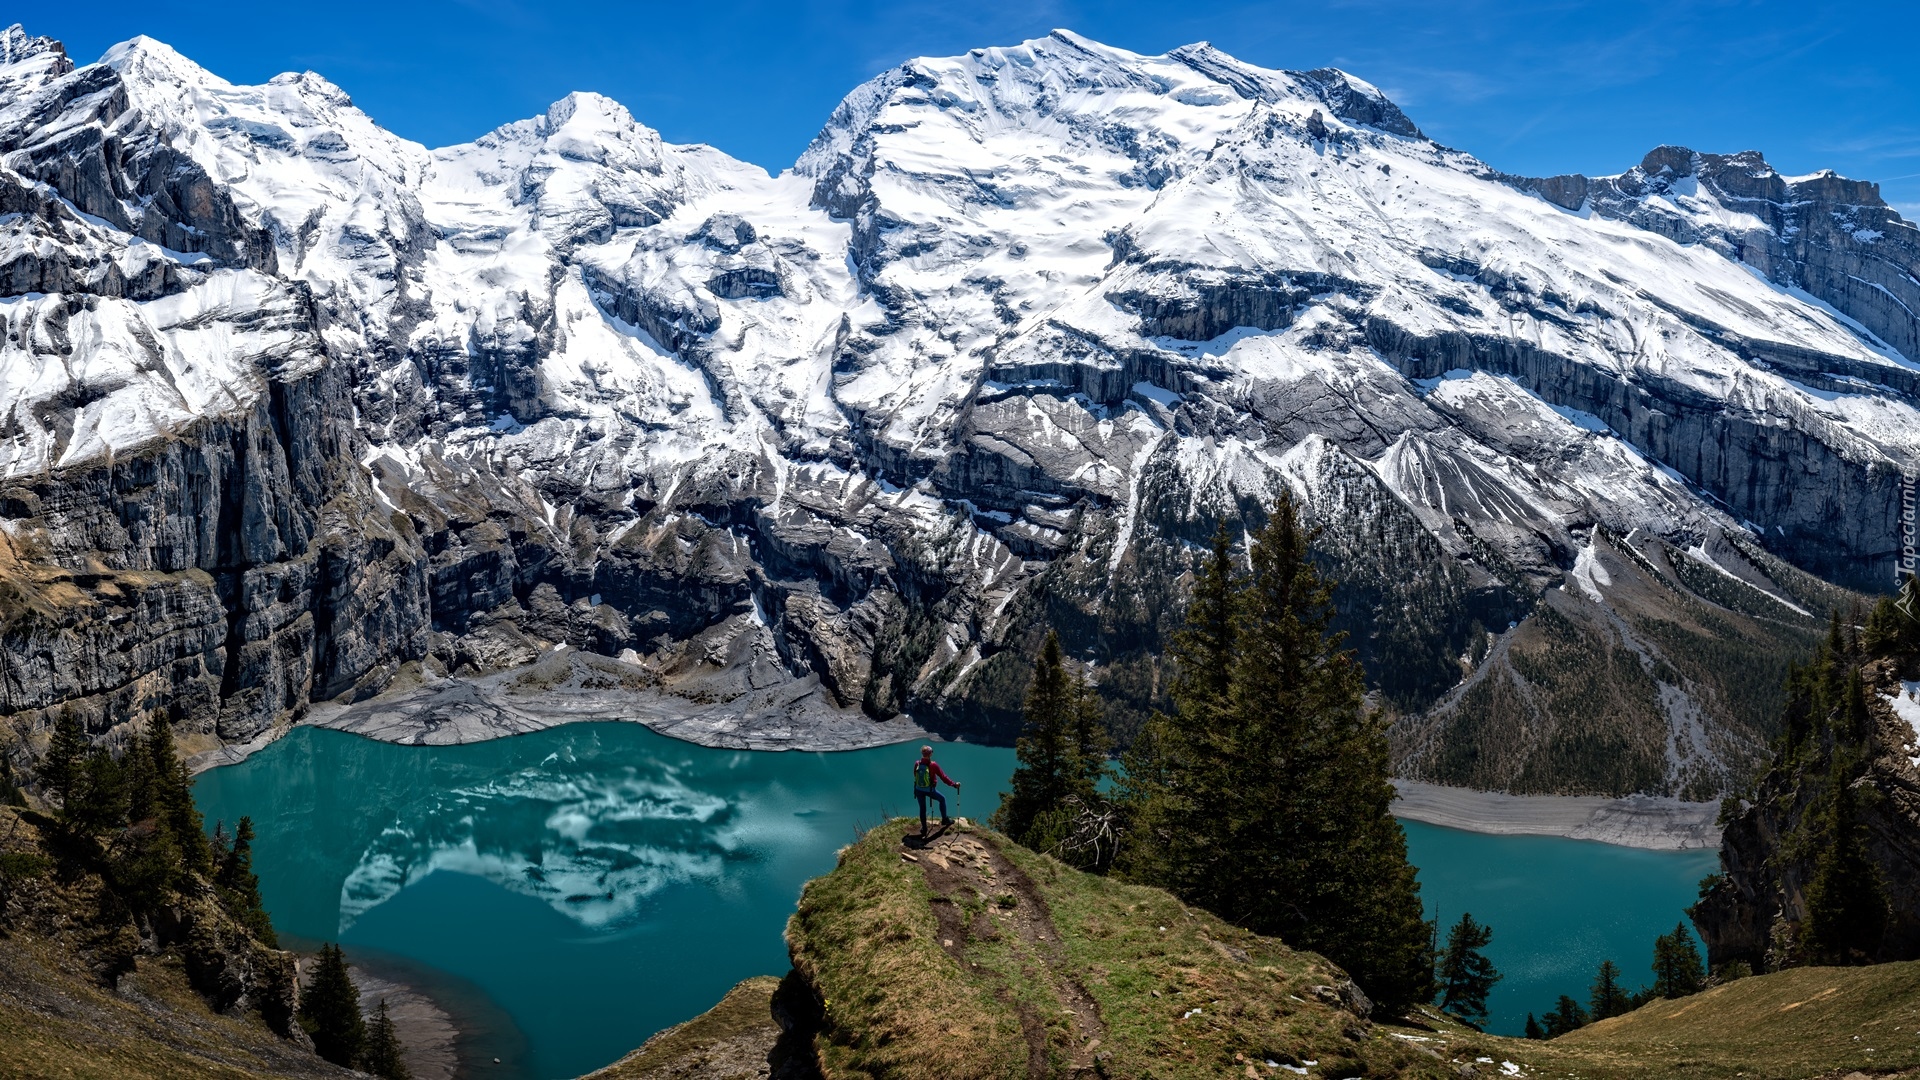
{"x": 974, "y": 958}
{"x": 1793, "y": 1023}
{"x": 730, "y": 1041}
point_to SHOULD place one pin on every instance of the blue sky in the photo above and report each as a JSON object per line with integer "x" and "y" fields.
{"x": 1536, "y": 87}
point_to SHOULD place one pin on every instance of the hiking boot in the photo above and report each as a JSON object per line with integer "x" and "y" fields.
{"x": 945, "y": 821}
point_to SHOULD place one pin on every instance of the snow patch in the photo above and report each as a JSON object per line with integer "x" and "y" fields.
{"x": 1588, "y": 575}
{"x": 1906, "y": 705}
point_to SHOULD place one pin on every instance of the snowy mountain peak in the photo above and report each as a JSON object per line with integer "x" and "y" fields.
{"x": 153, "y": 61}
{"x": 16, "y": 46}
{"x": 1017, "y": 329}
{"x": 313, "y": 85}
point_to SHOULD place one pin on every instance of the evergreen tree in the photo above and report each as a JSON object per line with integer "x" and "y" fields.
{"x": 1608, "y": 998}
{"x": 1176, "y": 782}
{"x": 1051, "y": 766}
{"x": 136, "y": 773}
{"x": 330, "y": 1010}
{"x": 241, "y": 886}
{"x": 1846, "y": 901}
{"x": 1677, "y": 967}
{"x": 1892, "y": 628}
{"x": 1465, "y": 974}
{"x": 1534, "y": 1030}
{"x": 1854, "y": 724}
{"x": 61, "y": 767}
{"x": 97, "y": 800}
{"x": 1091, "y": 743}
{"x": 1567, "y": 1015}
{"x": 1832, "y": 663}
{"x": 143, "y": 866}
{"x": 1803, "y": 708}
{"x": 1266, "y": 800}
{"x": 172, "y": 796}
{"x": 384, "y": 1055}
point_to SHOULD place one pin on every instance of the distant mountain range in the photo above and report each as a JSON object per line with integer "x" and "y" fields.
{"x": 295, "y": 407}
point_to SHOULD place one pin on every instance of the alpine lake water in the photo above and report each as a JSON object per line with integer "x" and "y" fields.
{"x": 566, "y": 894}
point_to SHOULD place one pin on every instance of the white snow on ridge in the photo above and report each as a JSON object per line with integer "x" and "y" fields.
{"x": 955, "y": 214}
{"x": 142, "y": 369}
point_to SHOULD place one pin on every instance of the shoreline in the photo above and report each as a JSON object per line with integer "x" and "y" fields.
{"x": 567, "y": 686}
{"x": 1640, "y": 821}
{"x": 429, "y": 1034}
{"x": 570, "y": 687}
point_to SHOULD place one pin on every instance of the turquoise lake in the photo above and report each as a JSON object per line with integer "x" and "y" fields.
{"x": 570, "y": 892}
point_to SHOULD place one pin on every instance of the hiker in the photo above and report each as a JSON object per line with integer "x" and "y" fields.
{"x": 927, "y": 775}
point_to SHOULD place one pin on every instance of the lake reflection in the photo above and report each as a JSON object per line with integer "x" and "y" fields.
{"x": 599, "y": 882}
{"x": 589, "y": 837}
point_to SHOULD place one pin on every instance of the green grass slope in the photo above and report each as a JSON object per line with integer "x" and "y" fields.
{"x": 1796, "y": 1023}
{"x": 972, "y": 958}
{"x": 730, "y": 1041}
{"x": 57, "y": 1022}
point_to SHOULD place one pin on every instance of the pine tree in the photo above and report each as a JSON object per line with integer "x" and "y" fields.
{"x": 1608, "y": 998}
{"x": 144, "y": 866}
{"x": 241, "y": 886}
{"x": 1567, "y": 1015}
{"x": 1803, "y": 708}
{"x": 61, "y": 767}
{"x": 1892, "y": 628}
{"x": 1314, "y": 818}
{"x": 136, "y": 771}
{"x": 1091, "y": 743}
{"x": 384, "y": 1055}
{"x": 1533, "y": 1029}
{"x": 1266, "y": 798}
{"x": 1846, "y": 901}
{"x": 1832, "y": 662}
{"x": 1677, "y": 967}
{"x": 1049, "y": 767}
{"x": 330, "y": 1010}
{"x": 1465, "y": 974}
{"x": 1854, "y": 724}
{"x": 172, "y": 796}
{"x": 97, "y": 801}
{"x": 1175, "y": 785}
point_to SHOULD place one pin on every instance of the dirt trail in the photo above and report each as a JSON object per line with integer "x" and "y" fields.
{"x": 981, "y": 897}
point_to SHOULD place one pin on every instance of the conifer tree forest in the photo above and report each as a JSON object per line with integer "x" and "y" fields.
{"x": 129, "y": 819}
{"x": 1263, "y": 796}
{"x": 1816, "y": 800}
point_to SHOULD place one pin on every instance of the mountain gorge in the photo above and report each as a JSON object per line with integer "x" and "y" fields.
{"x": 298, "y": 411}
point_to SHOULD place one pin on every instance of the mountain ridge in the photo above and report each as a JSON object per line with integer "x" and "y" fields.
{"x": 1014, "y": 332}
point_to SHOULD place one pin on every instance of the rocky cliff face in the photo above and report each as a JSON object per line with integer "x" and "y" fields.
{"x": 294, "y": 403}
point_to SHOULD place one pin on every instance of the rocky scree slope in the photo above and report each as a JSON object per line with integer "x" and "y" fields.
{"x": 295, "y": 405}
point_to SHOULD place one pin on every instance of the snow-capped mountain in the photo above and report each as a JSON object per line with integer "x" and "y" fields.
{"x": 296, "y": 407}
